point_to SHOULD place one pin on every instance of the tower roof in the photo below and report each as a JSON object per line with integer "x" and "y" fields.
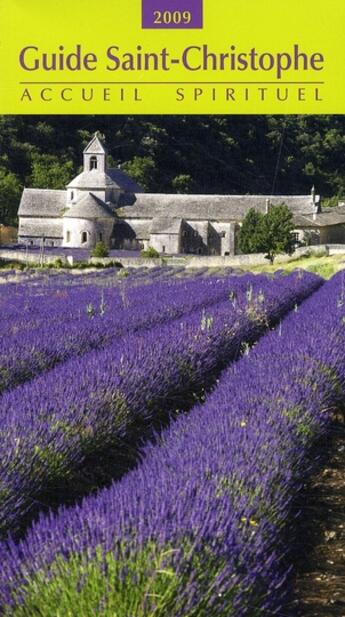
{"x": 93, "y": 179}
{"x": 89, "y": 207}
{"x": 95, "y": 146}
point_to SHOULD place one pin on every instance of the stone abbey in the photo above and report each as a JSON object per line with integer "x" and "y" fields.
{"x": 105, "y": 204}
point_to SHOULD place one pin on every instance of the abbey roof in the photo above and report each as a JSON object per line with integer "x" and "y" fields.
{"x": 44, "y": 203}
{"x": 208, "y": 207}
{"x": 89, "y": 207}
{"x": 112, "y": 178}
{"x": 166, "y": 225}
{"x": 165, "y": 212}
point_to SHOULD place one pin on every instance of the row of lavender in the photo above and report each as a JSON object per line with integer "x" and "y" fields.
{"x": 102, "y": 278}
{"x": 20, "y": 298}
{"x": 53, "y": 427}
{"x": 202, "y": 526}
{"x": 45, "y": 330}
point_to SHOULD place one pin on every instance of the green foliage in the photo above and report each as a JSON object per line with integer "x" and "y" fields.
{"x": 326, "y": 270}
{"x": 59, "y": 263}
{"x": 10, "y": 192}
{"x": 183, "y": 183}
{"x": 269, "y": 233}
{"x": 100, "y": 250}
{"x": 251, "y": 233}
{"x": 123, "y": 274}
{"x": 230, "y": 154}
{"x": 150, "y": 252}
{"x": 49, "y": 171}
{"x": 142, "y": 169}
{"x": 277, "y": 228}
{"x": 144, "y": 583}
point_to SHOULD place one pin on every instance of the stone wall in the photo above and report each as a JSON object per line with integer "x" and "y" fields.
{"x": 95, "y": 230}
{"x": 29, "y": 258}
{"x": 166, "y": 243}
{"x": 32, "y": 230}
{"x": 187, "y": 261}
{"x": 217, "y": 261}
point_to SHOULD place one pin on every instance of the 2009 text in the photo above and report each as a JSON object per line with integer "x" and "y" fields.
{"x": 172, "y": 17}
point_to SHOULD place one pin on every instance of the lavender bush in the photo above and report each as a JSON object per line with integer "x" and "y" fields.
{"x": 45, "y": 330}
{"x": 54, "y": 426}
{"x": 202, "y": 526}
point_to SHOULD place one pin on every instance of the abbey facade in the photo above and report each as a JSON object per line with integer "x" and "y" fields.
{"x": 105, "y": 204}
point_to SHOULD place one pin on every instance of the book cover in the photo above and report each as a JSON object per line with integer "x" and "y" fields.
{"x": 172, "y": 302}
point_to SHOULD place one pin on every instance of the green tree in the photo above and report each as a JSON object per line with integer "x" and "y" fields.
{"x": 203, "y": 154}
{"x": 10, "y": 192}
{"x": 276, "y": 229}
{"x": 251, "y": 237}
{"x": 267, "y": 233}
{"x": 182, "y": 183}
{"x": 142, "y": 169}
{"x": 50, "y": 171}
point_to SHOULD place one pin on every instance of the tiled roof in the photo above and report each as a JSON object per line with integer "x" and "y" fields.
{"x": 326, "y": 218}
{"x": 42, "y": 203}
{"x": 331, "y": 216}
{"x": 39, "y": 228}
{"x": 208, "y": 207}
{"x": 164, "y": 225}
{"x": 124, "y": 181}
{"x": 93, "y": 179}
{"x": 112, "y": 178}
{"x": 89, "y": 207}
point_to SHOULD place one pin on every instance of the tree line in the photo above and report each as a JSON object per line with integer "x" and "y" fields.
{"x": 178, "y": 154}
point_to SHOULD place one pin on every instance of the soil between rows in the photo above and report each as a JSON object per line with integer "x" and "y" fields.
{"x": 320, "y": 580}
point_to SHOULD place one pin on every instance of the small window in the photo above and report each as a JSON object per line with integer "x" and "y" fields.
{"x": 84, "y": 237}
{"x": 100, "y": 237}
{"x": 72, "y": 195}
{"x": 93, "y": 162}
{"x": 163, "y": 248}
{"x": 68, "y": 236}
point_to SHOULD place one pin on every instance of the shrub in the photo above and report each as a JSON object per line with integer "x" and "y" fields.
{"x": 150, "y": 252}
{"x": 123, "y": 274}
{"x": 100, "y": 250}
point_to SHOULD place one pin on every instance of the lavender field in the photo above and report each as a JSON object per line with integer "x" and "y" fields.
{"x": 156, "y": 432}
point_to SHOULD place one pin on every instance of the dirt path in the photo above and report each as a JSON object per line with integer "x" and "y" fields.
{"x": 320, "y": 583}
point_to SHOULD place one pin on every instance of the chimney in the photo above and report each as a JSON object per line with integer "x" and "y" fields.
{"x": 315, "y": 204}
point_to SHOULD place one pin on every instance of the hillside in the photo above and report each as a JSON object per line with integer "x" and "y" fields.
{"x": 205, "y": 154}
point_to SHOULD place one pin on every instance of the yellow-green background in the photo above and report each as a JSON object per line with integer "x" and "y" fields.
{"x": 269, "y": 25}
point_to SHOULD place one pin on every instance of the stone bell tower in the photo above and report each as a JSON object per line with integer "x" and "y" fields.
{"x": 95, "y": 155}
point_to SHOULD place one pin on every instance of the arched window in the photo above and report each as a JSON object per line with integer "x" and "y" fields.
{"x": 83, "y": 237}
{"x": 93, "y": 162}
